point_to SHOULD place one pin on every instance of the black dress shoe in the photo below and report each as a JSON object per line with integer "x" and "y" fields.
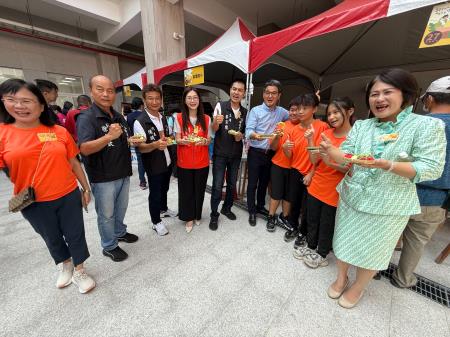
{"x": 117, "y": 254}
{"x": 214, "y": 223}
{"x": 128, "y": 238}
{"x": 252, "y": 219}
{"x": 290, "y": 235}
{"x": 300, "y": 241}
{"x": 228, "y": 213}
{"x": 263, "y": 211}
{"x": 271, "y": 223}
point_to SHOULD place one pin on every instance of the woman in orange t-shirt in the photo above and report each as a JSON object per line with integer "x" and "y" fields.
{"x": 322, "y": 197}
{"x": 192, "y": 128}
{"x": 40, "y": 154}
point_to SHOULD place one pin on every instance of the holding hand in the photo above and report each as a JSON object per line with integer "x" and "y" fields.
{"x": 288, "y": 145}
{"x": 218, "y": 119}
{"x": 309, "y": 133}
{"x": 161, "y": 144}
{"x": 238, "y": 136}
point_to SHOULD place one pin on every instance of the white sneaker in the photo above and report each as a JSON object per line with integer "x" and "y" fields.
{"x": 168, "y": 214}
{"x": 315, "y": 260}
{"x": 84, "y": 282}
{"x": 197, "y": 222}
{"x": 65, "y": 275}
{"x": 301, "y": 252}
{"x": 160, "y": 229}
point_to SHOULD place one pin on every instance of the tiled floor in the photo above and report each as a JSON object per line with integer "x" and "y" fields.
{"x": 238, "y": 281}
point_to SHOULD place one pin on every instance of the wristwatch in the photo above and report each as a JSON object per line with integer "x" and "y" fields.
{"x": 85, "y": 191}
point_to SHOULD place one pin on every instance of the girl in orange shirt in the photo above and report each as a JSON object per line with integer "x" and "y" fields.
{"x": 322, "y": 197}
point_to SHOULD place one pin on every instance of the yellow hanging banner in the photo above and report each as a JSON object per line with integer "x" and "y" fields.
{"x": 127, "y": 90}
{"x": 194, "y": 76}
{"x": 437, "y": 32}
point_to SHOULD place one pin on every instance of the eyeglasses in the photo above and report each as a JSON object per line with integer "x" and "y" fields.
{"x": 271, "y": 93}
{"x": 14, "y": 101}
{"x": 193, "y": 98}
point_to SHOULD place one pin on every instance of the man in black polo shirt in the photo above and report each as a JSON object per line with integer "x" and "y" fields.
{"x": 228, "y": 117}
{"x": 155, "y": 155}
{"x": 103, "y": 139}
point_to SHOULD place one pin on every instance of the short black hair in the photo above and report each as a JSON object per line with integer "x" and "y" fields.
{"x": 151, "y": 87}
{"x": 343, "y": 104}
{"x": 400, "y": 79}
{"x": 439, "y": 97}
{"x": 136, "y": 103}
{"x": 273, "y": 83}
{"x": 309, "y": 99}
{"x": 296, "y": 101}
{"x": 55, "y": 107}
{"x": 45, "y": 85}
{"x": 239, "y": 80}
{"x": 12, "y": 86}
{"x": 67, "y": 105}
{"x": 83, "y": 100}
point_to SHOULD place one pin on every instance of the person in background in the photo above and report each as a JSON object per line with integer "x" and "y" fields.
{"x": 432, "y": 194}
{"x": 155, "y": 156}
{"x": 281, "y": 165}
{"x": 378, "y": 195}
{"x": 83, "y": 103}
{"x": 61, "y": 117}
{"x": 322, "y": 197}
{"x": 261, "y": 122}
{"x": 137, "y": 107}
{"x": 50, "y": 92}
{"x": 229, "y": 115}
{"x": 171, "y": 117}
{"x": 302, "y": 170}
{"x": 103, "y": 138}
{"x": 66, "y": 107}
{"x": 192, "y": 129}
{"x": 43, "y": 155}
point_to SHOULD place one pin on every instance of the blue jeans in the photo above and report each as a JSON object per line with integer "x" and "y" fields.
{"x": 111, "y": 202}
{"x": 220, "y": 164}
{"x": 141, "y": 169}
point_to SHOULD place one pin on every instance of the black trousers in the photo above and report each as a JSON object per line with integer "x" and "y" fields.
{"x": 220, "y": 166}
{"x": 297, "y": 198}
{"x": 60, "y": 223}
{"x": 191, "y": 192}
{"x": 157, "y": 195}
{"x": 258, "y": 164}
{"x": 320, "y": 220}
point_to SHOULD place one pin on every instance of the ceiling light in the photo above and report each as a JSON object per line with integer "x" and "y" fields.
{"x": 70, "y": 78}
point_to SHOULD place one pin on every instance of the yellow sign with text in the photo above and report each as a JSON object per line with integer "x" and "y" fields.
{"x": 437, "y": 32}
{"x": 194, "y": 76}
{"x": 127, "y": 90}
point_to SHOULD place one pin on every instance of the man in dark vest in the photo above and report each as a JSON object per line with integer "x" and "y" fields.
{"x": 229, "y": 126}
{"x": 155, "y": 155}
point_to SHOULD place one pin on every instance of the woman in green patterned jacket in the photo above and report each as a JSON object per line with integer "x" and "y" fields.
{"x": 378, "y": 196}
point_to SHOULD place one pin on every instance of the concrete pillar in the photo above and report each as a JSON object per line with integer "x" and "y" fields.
{"x": 160, "y": 20}
{"x": 108, "y": 65}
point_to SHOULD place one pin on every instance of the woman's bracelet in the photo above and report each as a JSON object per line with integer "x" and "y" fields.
{"x": 85, "y": 191}
{"x": 391, "y": 167}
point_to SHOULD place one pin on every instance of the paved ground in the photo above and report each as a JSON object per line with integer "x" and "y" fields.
{"x": 238, "y": 281}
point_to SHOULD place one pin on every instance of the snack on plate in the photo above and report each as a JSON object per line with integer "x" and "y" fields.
{"x": 280, "y": 125}
{"x": 193, "y": 138}
{"x": 363, "y": 158}
{"x": 233, "y": 132}
{"x": 391, "y": 137}
{"x": 267, "y": 136}
{"x": 170, "y": 141}
{"x": 137, "y": 137}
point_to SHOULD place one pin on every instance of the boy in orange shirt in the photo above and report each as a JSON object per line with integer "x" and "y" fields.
{"x": 281, "y": 165}
{"x": 302, "y": 169}
{"x": 322, "y": 197}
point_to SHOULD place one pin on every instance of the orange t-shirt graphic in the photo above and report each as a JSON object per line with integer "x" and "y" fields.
{"x": 325, "y": 179}
{"x": 300, "y": 156}
{"x": 280, "y": 159}
{"x": 20, "y": 150}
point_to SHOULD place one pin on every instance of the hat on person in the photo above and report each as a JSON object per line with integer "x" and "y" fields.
{"x": 441, "y": 85}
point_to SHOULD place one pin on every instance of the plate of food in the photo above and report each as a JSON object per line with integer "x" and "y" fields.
{"x": 171, "y": 141}
{"x": 137, "y": 138}
{"x": 390, "y": 137}
{"x": 267, "y": 136}
{"x": 233, "y": 132}
{"x": 195, "y": 139}
{"x": 363, "y": 158}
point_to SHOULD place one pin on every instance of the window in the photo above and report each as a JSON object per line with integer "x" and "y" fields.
{"x": 7, "y": 73}
{"x": 70, "y": 87}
